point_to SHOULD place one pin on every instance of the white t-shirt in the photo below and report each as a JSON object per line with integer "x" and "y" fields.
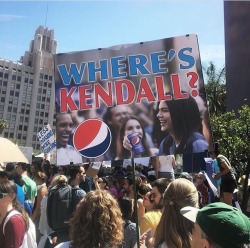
{"x": 166, "y": 163}
{"x": 68, "y": 154}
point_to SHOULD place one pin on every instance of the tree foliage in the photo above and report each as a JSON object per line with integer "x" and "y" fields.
{"x": 215, "y": 89}
{"x": 232, "y": 132}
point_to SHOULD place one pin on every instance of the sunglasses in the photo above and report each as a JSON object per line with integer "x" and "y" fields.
{"x": 2, "y": 195}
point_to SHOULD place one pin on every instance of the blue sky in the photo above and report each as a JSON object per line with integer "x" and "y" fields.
{"x": 84, "y": 25}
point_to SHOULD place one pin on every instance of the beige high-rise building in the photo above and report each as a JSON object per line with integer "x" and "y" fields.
{"x": 27, "y": 90}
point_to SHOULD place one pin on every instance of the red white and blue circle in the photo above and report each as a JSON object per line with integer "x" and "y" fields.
{"x": 92, "y": 138}
{"x": 135, "y": 140}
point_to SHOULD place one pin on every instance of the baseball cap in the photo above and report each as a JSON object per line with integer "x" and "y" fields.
{"x": 223, "y": 224}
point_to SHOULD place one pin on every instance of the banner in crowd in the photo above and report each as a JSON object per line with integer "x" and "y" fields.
{"x": 47, "y": 139}
{"x": 133, "y": 100}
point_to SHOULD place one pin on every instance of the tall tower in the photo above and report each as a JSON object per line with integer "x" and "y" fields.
{"x": 27, "y": 90}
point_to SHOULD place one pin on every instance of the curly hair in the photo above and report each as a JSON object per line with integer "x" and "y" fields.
{"x": 97, "y": 222}
{"x": 177, "y": 233}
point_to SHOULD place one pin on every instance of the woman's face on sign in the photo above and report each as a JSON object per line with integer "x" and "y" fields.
{"x": 164, "y": 117}
{"x": 133, "y": 126}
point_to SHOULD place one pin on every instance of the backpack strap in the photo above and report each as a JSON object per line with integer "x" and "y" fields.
{"x": 12, "y": 213}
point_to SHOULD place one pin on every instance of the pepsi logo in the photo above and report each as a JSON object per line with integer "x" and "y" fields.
{"x": 92, "y": 138}
{"x": 135, "y": 140}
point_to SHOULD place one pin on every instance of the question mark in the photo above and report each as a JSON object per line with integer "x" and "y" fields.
{"x": 193, "y": 83}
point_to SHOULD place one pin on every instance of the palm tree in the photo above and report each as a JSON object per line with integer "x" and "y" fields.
{"x": 215, "y": 89}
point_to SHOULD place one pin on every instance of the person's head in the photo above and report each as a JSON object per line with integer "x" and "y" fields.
{"x": 58, "y": 180}
{"x": 180, "y": 117}
{"x": 97, "y": 222}
{"x": 52, "y": 169}
{"x": 62, "y": 170}
{"x": 130, "y": 125}
{"x": 17, "y": 178}
{"x": 33, "y": 169}
{"x": 64, "y": 125}
{"x": 40, "y": 178}
{"x": 8, "y": 191}
{"x": 102, "y": 182}
{"x": 10, "y": 167}
{"x": 218, "y": 225}
{"x": 21, "y": 168}
{"x": 114, "y": 116}
{"x": 76, "y": 173}
{"x": 4, "y": 175}
{"x": 127, "y": 208}
{"x": 177, "y": 233}
{"x": 200, "y": 178}
{"x": 142, "y": 190}
{"x": 147, "y": 203}
{"x": 158, "y": 188}
{"x": 186, "y": 175}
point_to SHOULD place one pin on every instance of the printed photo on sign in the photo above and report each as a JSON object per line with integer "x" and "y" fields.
{"x": 129, "y": 101}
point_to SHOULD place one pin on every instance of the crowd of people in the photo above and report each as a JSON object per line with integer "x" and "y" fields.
{"x": 120, "y": 207}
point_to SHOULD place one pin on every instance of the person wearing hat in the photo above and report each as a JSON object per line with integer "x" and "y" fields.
{"x": 218, "y": 225}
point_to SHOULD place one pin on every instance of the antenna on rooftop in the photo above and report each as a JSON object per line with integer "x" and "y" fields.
{"x": 46, "y": 15}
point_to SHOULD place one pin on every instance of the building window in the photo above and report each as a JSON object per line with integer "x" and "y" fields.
{"x": 17, "y": 94}
{"x": 37, "y": 113}
{"x": 6, "y": 75}
{"x": 27, "y": 112}
{"x": 26, "y": 80}
{"x": 50, "y": 78}
{"x": 19, "y": 78}
{"x": 31, "y": 81}
{"x": 13, "y": 77}
{"x": 25, "y": 128}
{"x": 18, "y": 86}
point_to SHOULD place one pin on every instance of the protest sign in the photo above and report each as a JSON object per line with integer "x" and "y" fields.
{"x": 27, "y": 151}
{"x": 47, "y": 139}
{"x": 106, "y": 94}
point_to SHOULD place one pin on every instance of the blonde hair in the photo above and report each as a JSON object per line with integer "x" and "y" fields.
{"x": 58, "y": 180}
{"x": 173, "y": 228}
{"x": 97, "y": 222}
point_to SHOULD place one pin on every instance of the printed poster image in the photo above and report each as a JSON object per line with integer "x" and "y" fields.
{"x": 153, "y": 90}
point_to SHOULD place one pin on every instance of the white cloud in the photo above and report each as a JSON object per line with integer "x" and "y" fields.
{"x": 7, "y": 18}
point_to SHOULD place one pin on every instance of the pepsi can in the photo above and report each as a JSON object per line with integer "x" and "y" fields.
{"x": 135, "y": 141}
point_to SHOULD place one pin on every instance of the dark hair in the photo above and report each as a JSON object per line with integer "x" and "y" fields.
{"x": 126, "y": 206}
{"x": 122, "y": 152}
{"x": 24, "y": 166}
{"x": 17, "y": 178}
{"x": 4, "y": 174}
{"x": 10, "y": 167}
{"x": 74, "y": 170}
{"x": 161, "y": 184}
{"x": 186, "y": 119}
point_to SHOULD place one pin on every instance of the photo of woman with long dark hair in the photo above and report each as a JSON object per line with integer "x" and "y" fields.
{"x": 182, "y": 120}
